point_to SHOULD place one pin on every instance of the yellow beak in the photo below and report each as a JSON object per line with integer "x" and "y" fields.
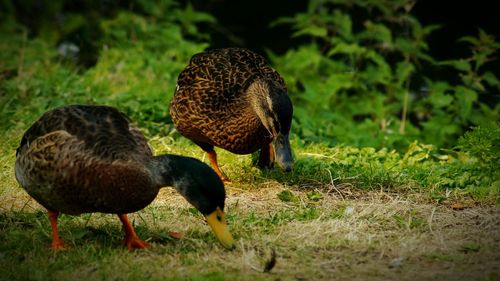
{"x": 218, "y": 223}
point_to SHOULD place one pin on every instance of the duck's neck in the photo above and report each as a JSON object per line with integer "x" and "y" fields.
{"x": 262, "y": 104}
{"x": 162, "y": 171}
{"x": 191, "y": 178}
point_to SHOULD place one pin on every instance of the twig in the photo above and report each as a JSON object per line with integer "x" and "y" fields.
{"x": 333, "y": 185}
{"x": 431, "y": 218}
{"x": 405, "y": 108}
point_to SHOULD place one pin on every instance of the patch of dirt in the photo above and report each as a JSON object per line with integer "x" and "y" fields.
{"x": 379, "y": 236}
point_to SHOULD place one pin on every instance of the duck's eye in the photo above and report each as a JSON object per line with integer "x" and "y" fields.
{"x": 219, "y": 218}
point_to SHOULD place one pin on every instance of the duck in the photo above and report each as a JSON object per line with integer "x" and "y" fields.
{"x": 92, "y": 158}
{"x": 231, "y": 98}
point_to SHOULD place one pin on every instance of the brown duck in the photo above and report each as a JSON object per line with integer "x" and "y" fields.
{"x": 81, "y": 158}
{"x": 231, "y": 98}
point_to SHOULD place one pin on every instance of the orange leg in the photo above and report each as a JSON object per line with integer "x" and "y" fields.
{"x": 212, "y": 156}
{"x": 272, "y": 155}
{"x": 57, "y": 243}
{"x": 266, "y": 157}
{"x": 131, "y": 239}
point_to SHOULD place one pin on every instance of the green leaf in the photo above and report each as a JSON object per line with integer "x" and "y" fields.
{"x": 403, "y": 71}
{"x": 480, "y": 58}
{"x": 460, "y": 64}
{"x": 417, "y": 152}
{"x": 430, "y": 28}
{"x": 485, "y": 38}
{"x": 348, "y": 49}
{"x": 314, "y": 196}
{"x": 287, "y": 196}
{"x": 343, "y": 24}
{"x": 404, "y": 45}
{"x": 376, "y": 75}
{"x": 469, "y": 39}
{"x": 316, "y": 31}
{"x": 377, "y": 31}
{"x": 440, "y": 99}
{"x": 426, "y": 57}
{"x": 283, "y": 20}
{"x": 491, "y": 79}
{"x": 466, "y": 98}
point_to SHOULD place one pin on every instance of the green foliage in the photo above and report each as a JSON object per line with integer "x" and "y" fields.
{"x": 483, "y": 143}
{"x": 140, "y": 56}
{"x": 481, "y": 150}
{"x": 470, "y": 247}
{"x": 450, "y": 109}
{"x": 419, "y": 167}
{"x": 359, "y": 84}
{"x": 363, "y": 81}
{"x": 287, "y": 196}
{"x": 140, "y": 65}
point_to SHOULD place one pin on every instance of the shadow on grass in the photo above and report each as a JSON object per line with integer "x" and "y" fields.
{"x": 25, "y": 232}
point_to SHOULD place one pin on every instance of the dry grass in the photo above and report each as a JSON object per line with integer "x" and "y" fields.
{"x": 342, "y": 233}
{"x": 367, "y": 242}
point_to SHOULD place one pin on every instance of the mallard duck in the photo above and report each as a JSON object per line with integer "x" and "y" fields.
{"x": 82, "y": 159}
{"x": 231, "y": 98}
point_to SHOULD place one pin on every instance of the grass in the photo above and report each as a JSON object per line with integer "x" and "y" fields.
{"x": 343, "y": 213}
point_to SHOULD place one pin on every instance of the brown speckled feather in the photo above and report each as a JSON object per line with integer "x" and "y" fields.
{"x": 211, "y": 105}
{"x": 86, "y": 159}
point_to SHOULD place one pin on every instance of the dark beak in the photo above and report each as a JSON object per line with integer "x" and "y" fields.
{"x": 283, "y": 152}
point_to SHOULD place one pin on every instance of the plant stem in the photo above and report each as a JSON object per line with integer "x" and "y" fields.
{"x": 20, "y": 68}
{"x": 405, "y": 108}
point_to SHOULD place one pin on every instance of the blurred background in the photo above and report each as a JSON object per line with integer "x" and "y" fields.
{"x": 360, "y": 73}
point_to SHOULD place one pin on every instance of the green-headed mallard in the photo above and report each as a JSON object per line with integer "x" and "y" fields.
{"x": 81, "y": 159}
{"x": 231, "y": 98}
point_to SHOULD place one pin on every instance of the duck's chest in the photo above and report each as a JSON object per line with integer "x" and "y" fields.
{"x": 226, "y": 121}
{"x": 241, "y": 134}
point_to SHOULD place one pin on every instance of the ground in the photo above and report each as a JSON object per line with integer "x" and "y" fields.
{"x": 308, "y": 230}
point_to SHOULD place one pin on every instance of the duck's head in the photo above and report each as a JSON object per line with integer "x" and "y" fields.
{"x": 274, "y": 108}
{"x": 200, "y": 186}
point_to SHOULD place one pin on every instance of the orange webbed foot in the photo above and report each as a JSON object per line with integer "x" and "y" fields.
{"x": 131, "y": 239}
{"x": 136, "y": 243}
{"x": 225, "y": 179}
{"x": 58, "y": 245}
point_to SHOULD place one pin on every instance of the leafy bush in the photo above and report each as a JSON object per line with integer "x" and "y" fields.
{"x": 363, "y": 81}
{"x": 482, "y": 145}
{"x": 359, "y": 83}
{"x": 141, "y": 61}
{"x": 140, "y": 55}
